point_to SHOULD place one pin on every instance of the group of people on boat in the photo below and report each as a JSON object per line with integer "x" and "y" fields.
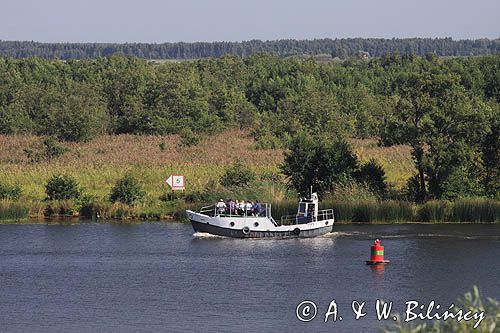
{"x": 239, "y": 207}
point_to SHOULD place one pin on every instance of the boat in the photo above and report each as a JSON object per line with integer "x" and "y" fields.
{"x": 223, "y": 221}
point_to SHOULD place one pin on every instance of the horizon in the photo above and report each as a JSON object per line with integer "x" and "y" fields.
{"x": 250, "y": 40}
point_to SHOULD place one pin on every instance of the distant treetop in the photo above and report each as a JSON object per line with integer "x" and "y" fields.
{"x": 336, "y": 48}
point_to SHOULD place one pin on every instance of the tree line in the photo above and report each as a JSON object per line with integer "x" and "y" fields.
{"x": 337, "y": 48}
{"x": 446, "y": 109}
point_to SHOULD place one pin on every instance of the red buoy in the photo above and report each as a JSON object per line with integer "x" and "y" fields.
{"x": 377, "y": 255}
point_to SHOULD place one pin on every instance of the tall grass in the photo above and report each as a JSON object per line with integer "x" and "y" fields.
{"x": 13, "y": 211}
{"x": 390, "y": 211}
{"x": 475, "y": 210}
{"x": 372, "y": 211}
{"x": 463, "y": 210}
{"x": 434, "y": 211}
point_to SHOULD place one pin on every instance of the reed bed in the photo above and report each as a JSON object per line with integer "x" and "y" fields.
{"x": 13, "y": 211}
{"x": 390, "y": 211}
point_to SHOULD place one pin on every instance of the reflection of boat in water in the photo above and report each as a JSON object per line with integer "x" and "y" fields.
{"x": 308, "y": 222}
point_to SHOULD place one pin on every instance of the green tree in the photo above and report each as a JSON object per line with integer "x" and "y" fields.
{"x": 443, "y": 125}
{"x": 79, "y": 117}
{"x": 491, "y": 158}
{"x": 318, "y": 162}
{"x": 455, "y": 166}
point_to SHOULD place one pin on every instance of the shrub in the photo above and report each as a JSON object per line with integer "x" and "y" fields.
{"x": 267, "y": 141}
{"x": 49, "y": 149}
{"x": 189, "y": 138}
{"x": 411, "y": 190}
{"x": 52, "y": 148}
{"x": 373, "y": 175}
{"x": 10, "y": 192}
{"x": 237, "y": 175}
{"x": 62, "y": 187}
{"x": 127, "y": 190}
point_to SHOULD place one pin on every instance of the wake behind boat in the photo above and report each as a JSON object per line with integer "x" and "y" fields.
{"x": 225, "y": 221}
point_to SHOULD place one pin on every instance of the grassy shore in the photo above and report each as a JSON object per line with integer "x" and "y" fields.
{"x": 390, "y": 211}
{"x": 98, "y": 164}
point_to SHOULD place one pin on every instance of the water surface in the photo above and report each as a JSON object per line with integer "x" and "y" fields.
{"x": 159, "y": 277}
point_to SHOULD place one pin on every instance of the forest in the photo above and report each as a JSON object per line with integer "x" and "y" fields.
{"x": 346, "y": 48}
{"x": 445, "y": 109}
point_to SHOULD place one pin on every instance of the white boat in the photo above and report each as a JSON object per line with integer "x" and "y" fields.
{"x": 308, "y": 222}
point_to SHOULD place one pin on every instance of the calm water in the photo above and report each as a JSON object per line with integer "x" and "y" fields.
{"x": 158, "y": 277}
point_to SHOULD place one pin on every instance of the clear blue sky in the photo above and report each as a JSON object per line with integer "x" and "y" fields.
{"x": 235, "y": 20}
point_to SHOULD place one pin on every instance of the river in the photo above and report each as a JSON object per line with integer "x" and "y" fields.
{"x": 120, "y": 277}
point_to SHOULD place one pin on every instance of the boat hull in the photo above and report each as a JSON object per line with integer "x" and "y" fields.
{"x": 237, "y": 233}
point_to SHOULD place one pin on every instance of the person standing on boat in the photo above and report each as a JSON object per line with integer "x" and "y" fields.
{"x": 232, "y": 207}
{"x": 221, "y": 207}
{"x": 256, "y": 208}
{"x": 248, "y": 208}
{"x": 241, "y": 207}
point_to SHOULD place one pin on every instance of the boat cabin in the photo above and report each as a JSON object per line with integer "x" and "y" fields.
{"x": 308, "y": 209}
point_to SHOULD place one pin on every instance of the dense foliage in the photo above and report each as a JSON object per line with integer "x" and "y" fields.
{"x": 341, "y": 48}
{"x": 237, "y": 175}
{"x": 324, "y": 163}
{"x": 446, "y": 109}
{"x": 62, "y": 187}
{"x": 373, "y": 175}
{"x": 127, "y": 190}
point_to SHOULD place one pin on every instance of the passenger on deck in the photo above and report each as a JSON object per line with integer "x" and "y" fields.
{"x": 257, "y": 207}
{"x": 221, "y": 207}
{"x": 248, "y": 208}
{"x": 241, "y": 207}
{"x": 232, "y": 207}
{"x": 236, "y": 206}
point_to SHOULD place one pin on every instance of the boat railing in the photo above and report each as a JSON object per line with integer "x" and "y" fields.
{"x": 325, "y": 214}
{"x": 213, "y": 210}
{"x": 209, "y": 210}
{"x": 288, "y": 219}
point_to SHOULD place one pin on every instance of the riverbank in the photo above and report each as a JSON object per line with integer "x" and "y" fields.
{"x": 98, "y": 164}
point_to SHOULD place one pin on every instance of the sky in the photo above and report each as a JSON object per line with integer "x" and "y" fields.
{"x": 235, "y": 20}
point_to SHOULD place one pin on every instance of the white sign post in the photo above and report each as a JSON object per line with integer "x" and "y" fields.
{"x": 177, "y": 182}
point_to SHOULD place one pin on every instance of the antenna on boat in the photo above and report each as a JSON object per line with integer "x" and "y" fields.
{"x": 311, "y": 191}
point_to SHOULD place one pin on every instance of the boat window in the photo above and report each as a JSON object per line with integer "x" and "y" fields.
{"x": 302, "y": 207}
{"x": 231, "y": 224}
{"x": 256, "y": 224}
